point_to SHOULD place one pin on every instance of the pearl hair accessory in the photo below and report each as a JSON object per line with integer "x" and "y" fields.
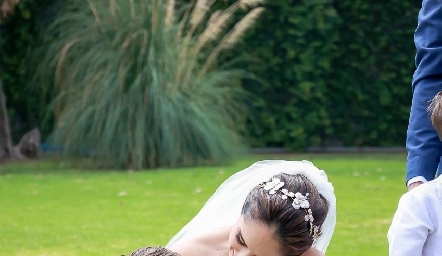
{"x": 299, "y": 201}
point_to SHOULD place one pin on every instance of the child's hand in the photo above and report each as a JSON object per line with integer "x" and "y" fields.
{"x": 414, "y": 184}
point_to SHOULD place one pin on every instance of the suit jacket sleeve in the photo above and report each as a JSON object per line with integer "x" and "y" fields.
{"x": 423, "y": 144}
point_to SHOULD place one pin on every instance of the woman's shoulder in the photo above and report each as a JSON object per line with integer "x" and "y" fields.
{"x": 190, "y": 247}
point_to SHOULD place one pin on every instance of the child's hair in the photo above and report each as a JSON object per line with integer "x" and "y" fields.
{"x": 153, "y": 251}
{"x": 435, "y": 108}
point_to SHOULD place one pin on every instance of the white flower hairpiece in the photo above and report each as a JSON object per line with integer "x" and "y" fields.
{"x": 299, "y": 201}
{"x": 273, "y": 186}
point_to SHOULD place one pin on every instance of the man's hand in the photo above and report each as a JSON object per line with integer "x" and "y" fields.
{"x": 414, "y": 184}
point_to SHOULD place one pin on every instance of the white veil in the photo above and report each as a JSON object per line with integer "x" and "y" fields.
{"x": 224, "y": 207}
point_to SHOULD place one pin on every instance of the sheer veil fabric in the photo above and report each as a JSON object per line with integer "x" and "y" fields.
{"x": 224, "y": 207}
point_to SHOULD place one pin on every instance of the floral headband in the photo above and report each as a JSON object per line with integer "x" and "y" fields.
{"x": 299, "y": 201}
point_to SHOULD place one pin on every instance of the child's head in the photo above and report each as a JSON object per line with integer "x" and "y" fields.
{"x": 435, "y": 109}
{"x": 153, "y": 251}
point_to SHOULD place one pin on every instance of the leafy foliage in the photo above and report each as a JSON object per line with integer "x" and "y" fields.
{"x": 374, "y": 68}
{"x": 135, "y": 84}
{"x": 15, "y": 38}
{"x": 337, "y": 73}
{"x": 19, "y": 31}
{"x": 334, "y": 72}
{"x": 296, "y": 62}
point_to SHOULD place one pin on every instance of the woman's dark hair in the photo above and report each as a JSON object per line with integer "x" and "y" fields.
{"x": 289, "y": 224}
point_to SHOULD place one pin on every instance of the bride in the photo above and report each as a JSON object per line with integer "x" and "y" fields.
{"x": 272, "y": 208}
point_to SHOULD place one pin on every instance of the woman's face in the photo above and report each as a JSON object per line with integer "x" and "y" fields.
{"x": 251, "y": 238}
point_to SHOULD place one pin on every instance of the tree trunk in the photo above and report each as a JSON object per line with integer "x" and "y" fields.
{"x": 7, "y": 151}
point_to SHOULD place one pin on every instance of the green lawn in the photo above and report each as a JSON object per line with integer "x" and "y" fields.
{"x": 50, "y": 208}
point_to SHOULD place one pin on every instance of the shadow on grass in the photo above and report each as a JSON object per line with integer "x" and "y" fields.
{"x": 56, "y": 164}
{"x": 52, "y": 164}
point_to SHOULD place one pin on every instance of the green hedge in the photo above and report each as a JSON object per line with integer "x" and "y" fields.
{"x": 332, "y": 72}
{"x": 18, "y": 38}
{"x": 295, "y": 44}
{"x": 377, "y": 60}
{"x": 336, "y": 73}
{"x": 16, "y": 34}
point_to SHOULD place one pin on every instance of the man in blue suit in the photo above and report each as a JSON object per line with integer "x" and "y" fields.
{"x": 423, "y": 144}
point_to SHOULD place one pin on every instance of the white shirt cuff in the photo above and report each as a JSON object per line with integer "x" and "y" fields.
{"x": 416, "y": 179}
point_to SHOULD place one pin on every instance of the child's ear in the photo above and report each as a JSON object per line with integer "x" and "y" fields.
{"x": 440, "y": 135}
{"x": 436, "y": 118}
{"x": 436, "y": 113}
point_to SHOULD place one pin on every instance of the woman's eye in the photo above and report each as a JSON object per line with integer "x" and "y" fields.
{"x": 240, "y": 240}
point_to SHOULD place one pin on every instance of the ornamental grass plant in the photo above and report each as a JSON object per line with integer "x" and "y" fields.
{"x": 137, "y": 85}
